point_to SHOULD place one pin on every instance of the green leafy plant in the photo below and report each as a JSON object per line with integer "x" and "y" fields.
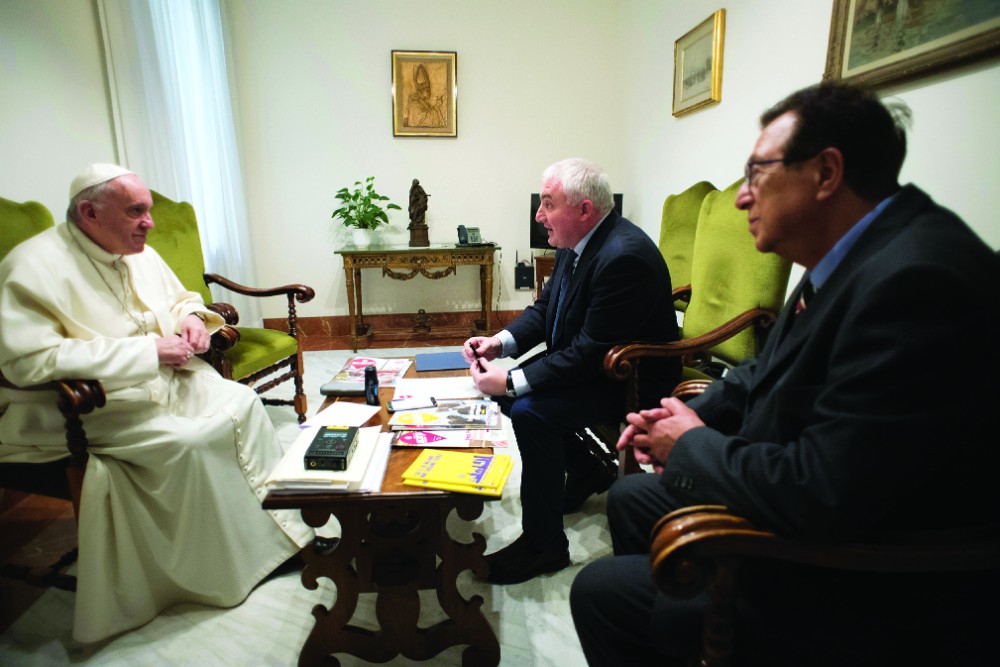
{"x": 362, "y": 207}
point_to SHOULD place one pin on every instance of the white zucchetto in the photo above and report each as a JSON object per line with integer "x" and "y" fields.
{"x": 95, "y": 174}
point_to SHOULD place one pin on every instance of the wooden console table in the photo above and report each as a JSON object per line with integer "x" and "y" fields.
{"x": 400, "y": 262}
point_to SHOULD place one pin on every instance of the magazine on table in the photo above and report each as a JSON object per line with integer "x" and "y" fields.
{"x": 389, "y": 370}
{"x": 449, "y": 414}
{"x": 454, "y": 438}
{"x": 463, "y": 472}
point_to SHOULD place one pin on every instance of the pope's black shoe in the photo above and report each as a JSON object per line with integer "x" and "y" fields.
{"x": 579, "y": 487}
{"x": 520, "y": 561}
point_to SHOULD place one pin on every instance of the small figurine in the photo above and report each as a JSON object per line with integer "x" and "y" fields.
{"x": 418, "y": 207}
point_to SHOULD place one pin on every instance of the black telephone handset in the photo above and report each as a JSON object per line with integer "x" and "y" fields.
{"x": 463, "y": 235}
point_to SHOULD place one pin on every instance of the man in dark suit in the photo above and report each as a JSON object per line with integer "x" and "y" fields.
{"x": 846, "y": 427}
{"x": 610, "y": 285}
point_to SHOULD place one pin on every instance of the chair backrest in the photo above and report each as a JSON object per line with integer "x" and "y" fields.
{"x": 19, "y": 222}
{"x": 729, "y": 276}
{"x": 678, "y": 224}
{"x": 175, "y": 236}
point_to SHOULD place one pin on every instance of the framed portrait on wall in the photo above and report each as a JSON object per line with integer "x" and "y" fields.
{"x": 698, "y": 65}
{"x": 880, "y": 42}
{"x": 424, "y": 94}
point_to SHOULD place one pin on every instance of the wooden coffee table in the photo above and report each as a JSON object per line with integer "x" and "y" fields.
{"x": 394, "y": 543}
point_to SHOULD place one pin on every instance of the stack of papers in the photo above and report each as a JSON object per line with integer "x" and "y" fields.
{"x": 477, "y": 437}
{"x": 365, "y": 472}
{"x": 449, "y": 414}
{"x": 389, "y": 370}
{"x": 463, "y": 472}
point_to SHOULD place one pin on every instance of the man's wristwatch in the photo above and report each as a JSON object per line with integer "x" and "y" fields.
{"x": 510, "y": 385}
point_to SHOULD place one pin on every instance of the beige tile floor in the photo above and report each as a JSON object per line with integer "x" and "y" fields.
{"x": 531, "y": 620}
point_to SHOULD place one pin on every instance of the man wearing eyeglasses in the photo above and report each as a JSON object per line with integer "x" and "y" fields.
{"x": 835, "y": 433}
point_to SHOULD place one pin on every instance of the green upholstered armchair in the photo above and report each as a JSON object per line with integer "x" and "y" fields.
{"x": 736, "y": 293}
{"x": 246, "y": 354}
{"x": 678, "y": 225}
{"x": 74, "y": 398}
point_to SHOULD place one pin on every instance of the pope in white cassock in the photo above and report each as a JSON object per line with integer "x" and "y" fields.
{"x": 170, "y": 510}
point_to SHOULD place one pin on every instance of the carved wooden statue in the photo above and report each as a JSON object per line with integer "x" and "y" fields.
{"x": 418, "y": 207}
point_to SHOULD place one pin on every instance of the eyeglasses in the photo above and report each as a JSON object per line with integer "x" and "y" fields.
{"x": 749, "y": 172}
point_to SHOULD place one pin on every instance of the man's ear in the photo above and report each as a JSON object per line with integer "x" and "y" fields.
{"x": 586, "y": 210}
{"x": 830, "y": 174}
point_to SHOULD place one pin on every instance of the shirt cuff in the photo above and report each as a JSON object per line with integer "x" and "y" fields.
{"x": 508, "y": 346}
{"x": 521, "y": 386}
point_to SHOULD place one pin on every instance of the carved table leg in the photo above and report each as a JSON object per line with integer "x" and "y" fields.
{"x": 351, "y": 305}
{"x": 394, "y": 548}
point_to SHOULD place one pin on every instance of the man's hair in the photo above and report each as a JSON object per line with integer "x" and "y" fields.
{"x": 94, "y": 193}
{"x": 581, "y": 179}
{"x": 869, "y": 134}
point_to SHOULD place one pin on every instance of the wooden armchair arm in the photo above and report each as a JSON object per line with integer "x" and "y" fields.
{"x": 682, "y": 293}
{"x": 74, "y": 398}
{"x": 619, "y": 362}
{"x": 227, "y": 311}
{"x": 688, "y": 544}
{"x": 698, "y": 548}
{"x": 301, "y": 293}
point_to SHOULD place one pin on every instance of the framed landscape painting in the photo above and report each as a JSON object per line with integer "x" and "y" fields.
{"x": 698, "y": 65}
{"x": 424, "y": 94}
{"x": 879, "y": 42}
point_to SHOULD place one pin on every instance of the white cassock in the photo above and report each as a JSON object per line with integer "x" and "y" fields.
{"x": 171, "y": 509}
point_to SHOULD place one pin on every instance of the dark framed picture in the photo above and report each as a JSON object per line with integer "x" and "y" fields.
{"x": 698, "y": 65}
{"x": 424, "y": 94}
{"x": 879, "y": 42}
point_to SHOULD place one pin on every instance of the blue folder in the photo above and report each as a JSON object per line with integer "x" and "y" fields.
{"x": 440, "y": 361}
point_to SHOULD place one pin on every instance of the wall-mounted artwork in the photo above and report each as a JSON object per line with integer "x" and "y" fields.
{"x": 879, "y": 42}
{"x": 424, "y": 94}
{"x": 698, "y": 65}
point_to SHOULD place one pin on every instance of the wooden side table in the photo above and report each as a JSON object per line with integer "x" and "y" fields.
{"x": 543, "y": 271}
{"x": 394, "y": 543}
{"x": 400, "y": 262}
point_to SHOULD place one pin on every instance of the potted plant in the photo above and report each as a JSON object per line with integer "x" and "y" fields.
{"x": 362, "y": 210}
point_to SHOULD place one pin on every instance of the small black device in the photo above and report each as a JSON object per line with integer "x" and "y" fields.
{"x": 371, "y": 385}
{"x": 332, "y": 448}
{"x": 524, "y": 276}
{"x": 412, "y": 403}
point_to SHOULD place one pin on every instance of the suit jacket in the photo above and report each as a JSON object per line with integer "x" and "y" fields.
{"x": 850, "y": 422}
{"x": 619, "y": 292}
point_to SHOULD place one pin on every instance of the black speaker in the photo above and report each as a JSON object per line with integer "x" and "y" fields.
{"x": 524, "y": 276}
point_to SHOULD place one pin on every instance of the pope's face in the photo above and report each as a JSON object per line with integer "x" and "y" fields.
{"x": 120, "y": 220}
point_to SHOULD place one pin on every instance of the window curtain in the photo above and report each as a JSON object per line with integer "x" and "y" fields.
{"x": 175, "y": 122}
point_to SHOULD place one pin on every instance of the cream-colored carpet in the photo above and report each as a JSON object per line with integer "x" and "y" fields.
{"x": 531, "y": 620}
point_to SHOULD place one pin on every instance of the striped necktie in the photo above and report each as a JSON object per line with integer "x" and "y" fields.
{"x": 807, "y": 293}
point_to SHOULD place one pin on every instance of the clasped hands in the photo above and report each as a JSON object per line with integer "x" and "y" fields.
{"x": 489, "y": 378}
{"x": 177, "y": 351}
{"x": 653, "y": 433}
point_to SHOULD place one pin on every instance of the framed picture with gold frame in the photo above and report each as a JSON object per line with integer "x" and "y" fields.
{"x": 698, "y": 65}
{"x": 879, "y": 43}
{"x": 424, "y": 94}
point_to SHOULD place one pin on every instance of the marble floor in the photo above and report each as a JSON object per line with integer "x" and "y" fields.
{"x": 531, "y": 620}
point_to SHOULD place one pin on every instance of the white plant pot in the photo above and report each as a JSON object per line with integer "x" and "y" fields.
{"x": 362, "y": 238}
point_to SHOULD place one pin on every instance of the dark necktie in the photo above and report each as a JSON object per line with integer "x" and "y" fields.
{"x": 567, "y": 273}
{"x": 807, "y": 293}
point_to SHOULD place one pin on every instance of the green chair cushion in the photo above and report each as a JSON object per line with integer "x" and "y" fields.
{"x": 259, "y": 349}
{"x": 678, "y": 225}
{"x": 19, "y": 222}
{"x": 729, "y": 276}
{"x": 175, "y": 236}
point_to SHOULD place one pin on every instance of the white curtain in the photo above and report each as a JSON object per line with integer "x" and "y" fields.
{"x": 175, "y": 123}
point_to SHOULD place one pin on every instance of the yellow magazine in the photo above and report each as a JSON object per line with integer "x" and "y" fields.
{"x": 493, "y": 492}
{"x": 455, "y": 468}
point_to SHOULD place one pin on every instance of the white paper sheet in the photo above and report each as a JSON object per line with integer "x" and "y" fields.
{"x": 453, "y": 387}
{"x": 342, "y": 413}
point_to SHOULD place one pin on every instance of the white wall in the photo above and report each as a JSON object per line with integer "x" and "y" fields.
{"x": 538, "y": 81}
{"x": 54, "y": 118}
